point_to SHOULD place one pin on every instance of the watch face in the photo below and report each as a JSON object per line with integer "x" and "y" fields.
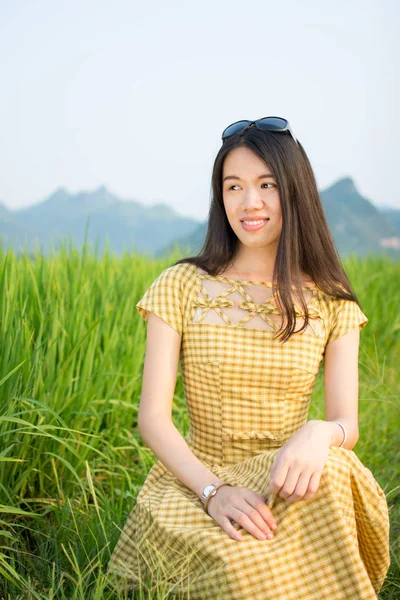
{"x": 208, "y": 489}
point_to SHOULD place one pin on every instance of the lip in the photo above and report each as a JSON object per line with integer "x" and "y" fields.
{"x": 247, "y": 227}
{"x": 253, "y": 218}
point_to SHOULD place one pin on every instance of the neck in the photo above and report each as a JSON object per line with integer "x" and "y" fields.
{"x": 254, "y": 262}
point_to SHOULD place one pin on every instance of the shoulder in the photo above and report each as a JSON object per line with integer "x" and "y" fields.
{"x": 334, "y": 305}
{"x": 181, "y": 271}
{"x": 169, "y": 296}
{"x": 181, "y": 277}
{"x": 344, "y": 315}
{"x": 175, "y": 280}
{"x": 306, "y": 280}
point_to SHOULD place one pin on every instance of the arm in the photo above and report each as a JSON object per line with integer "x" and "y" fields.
{"x": 297, "y": 469}
{"x": 163, "y": 307}
{"x": 155, "y": 425}
{"x": 155, "y": 411}
{"x": 341, "y": 389}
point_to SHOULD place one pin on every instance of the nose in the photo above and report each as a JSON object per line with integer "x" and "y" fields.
{"x": 252, "y": 198}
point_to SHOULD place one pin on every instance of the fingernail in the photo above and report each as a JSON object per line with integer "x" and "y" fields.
{"x": 270, "y": 536}
{"x": 274, "y": 526}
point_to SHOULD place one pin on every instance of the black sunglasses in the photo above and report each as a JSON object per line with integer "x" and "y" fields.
{"x": 276, "y": 124}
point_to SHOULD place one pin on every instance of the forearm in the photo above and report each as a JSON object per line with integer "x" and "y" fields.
{"x": 334, "y": 432}
{"x": 161, "y": 435}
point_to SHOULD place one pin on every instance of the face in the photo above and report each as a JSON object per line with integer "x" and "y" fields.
{"x": 250, "y": 192}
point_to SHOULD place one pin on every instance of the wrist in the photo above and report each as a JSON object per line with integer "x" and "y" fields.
{"x": 210, "y": 491}
{"x": 206, "y": 478}
{"x": 336, "y": 436}
{"x": 331, "y": 430}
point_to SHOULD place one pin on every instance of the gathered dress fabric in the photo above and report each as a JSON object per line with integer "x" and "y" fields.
{"x": 247, "y": 393}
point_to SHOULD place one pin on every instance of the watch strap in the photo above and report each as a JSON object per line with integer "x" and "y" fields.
{"x": 213, "y": 492}
{"x": 211, "y": 489}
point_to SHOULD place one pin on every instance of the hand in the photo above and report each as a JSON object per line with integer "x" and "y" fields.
{"x": 297, "y": 468}
{"x": 244, "y": 506}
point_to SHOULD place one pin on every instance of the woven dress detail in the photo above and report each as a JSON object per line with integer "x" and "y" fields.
{"x": 247, "y": 393}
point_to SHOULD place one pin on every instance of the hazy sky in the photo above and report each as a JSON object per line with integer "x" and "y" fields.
{"x": 134, "y": 95}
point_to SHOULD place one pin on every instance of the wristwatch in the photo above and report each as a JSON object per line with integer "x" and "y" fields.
{"x": 210, "y": 491}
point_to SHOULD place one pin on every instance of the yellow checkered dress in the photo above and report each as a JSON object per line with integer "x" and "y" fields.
{"x": 246, "y": 394}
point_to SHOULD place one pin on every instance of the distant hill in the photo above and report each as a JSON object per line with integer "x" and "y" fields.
{"x": 393, "y": 216}
{"x": 128, "y": 225}
{"x": 357, "y": 225}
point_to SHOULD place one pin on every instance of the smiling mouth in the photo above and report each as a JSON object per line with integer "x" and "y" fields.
{"x": 251, "y": 221}
{"x": 254, "y": 225}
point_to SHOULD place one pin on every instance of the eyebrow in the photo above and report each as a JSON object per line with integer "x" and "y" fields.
{"x": 261, "y": 176}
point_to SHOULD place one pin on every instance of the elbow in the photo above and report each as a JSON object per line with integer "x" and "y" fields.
{"x": 352, "y": 437}
{"x": 144, "y": 431}
{"x": 149, "y": 424}
{"x": 143, "y": 425}
{"x": 140, "y": 420}
{"x": 355, "y": 437}
{"x": 355, "y": 432}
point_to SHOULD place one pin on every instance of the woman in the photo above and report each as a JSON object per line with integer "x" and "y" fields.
{"x": 256, "y": 502}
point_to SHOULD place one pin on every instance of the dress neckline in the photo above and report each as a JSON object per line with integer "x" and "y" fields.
{"x": 222, "y": 278}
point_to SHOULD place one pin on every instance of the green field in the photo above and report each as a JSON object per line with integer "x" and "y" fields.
{"x": 71, "y": 458}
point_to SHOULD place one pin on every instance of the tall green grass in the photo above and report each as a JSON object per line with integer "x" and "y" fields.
{"x": 71, "y": 459}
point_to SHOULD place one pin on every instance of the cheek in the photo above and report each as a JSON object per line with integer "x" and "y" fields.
{"x": 230, "y": 209}
{"x": 277, "y": 208}
{"x": 233, "y": 219}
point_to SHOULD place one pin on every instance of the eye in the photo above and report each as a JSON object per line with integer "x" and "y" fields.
{"x": 236, "y": 185}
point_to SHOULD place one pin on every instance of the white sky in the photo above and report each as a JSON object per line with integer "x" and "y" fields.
{"x": 134, "y": 95}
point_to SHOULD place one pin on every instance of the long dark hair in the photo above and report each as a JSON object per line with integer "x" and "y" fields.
{"x": 305, "y": 245}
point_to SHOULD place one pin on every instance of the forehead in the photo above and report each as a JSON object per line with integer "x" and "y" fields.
{"x": 242, "y": 160}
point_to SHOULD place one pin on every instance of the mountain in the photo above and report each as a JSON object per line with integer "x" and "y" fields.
{"x": 392, "y": 215}
{"x": 10, "y": 229}
{"x": 356, "y": 224}
{"x": 128, "y": 225}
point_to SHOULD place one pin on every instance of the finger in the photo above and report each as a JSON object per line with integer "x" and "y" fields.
{"x": 269, "y": 501}
{"x": 278, "y": 477}
{"x": 258, "y": 503}
{"x": 256, "y": 514}
{"x": 301, "y": 487}
{"x": 227, "y": 526}
{"x": 290, "y": 483}
{"x": 313, "y": 485}
{"x": 248, "y": 524}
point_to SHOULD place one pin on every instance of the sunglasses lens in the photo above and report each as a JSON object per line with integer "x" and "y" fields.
{"x": 272, "y": 124}
{"x": 266, "y": 124}
{"x": 234, "y": 128}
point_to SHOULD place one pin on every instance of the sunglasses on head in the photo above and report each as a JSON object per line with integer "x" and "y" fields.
{"x": 276, "y": 124}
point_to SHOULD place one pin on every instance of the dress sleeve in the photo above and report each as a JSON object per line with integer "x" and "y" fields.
{"x": 346, "y": 315}
{"x": 164, "y": 299}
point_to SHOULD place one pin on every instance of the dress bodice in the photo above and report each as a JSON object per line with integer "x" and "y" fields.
{"x": 245, "y": 390}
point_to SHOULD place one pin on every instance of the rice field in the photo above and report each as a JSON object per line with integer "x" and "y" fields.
{"x": 71, "y": 459}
